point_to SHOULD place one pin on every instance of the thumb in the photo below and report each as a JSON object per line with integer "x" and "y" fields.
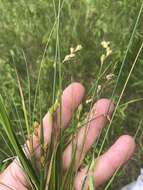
{"x": 13, "y": 177}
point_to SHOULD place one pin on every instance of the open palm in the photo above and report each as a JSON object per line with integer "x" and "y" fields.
{"x": 13, "y": 177}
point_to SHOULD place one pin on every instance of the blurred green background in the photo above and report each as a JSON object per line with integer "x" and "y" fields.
{"x": 25, "y": 26}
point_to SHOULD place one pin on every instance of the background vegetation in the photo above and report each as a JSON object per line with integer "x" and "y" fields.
{"x": 25, "y": 27}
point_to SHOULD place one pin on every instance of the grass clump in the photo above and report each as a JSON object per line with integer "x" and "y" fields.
{"x": 111, "y": 51}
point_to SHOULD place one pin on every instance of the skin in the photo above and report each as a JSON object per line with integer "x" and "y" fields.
{"x": 106, "y": 165}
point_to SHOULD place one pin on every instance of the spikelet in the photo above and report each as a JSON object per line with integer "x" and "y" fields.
{"x": 72, "y": 54}
{"x": 109, "y": 76}
{"x": 106, "y": 46}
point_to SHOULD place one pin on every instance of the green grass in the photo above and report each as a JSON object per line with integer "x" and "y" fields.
{"x": 35, "y": 38}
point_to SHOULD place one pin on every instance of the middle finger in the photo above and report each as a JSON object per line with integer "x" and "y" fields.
{"x": 88, "y": 134}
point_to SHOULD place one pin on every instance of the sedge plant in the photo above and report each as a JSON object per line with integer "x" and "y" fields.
{"x": 48, "y": 173}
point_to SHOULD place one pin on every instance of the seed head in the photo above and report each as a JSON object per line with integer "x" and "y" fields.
{"x": 73, "y": 51}
{"x": 105, "y": 44}
{"x": 99, "y": 89}
{"x": 110, "y": 76}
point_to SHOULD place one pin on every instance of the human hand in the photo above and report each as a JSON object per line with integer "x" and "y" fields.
{"x": 14, "y": 178}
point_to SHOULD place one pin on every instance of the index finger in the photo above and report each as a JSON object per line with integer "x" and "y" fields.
{"x": 71, "y": 98}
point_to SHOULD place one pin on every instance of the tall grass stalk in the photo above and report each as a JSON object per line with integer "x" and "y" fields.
{"x": 4, "y": 120}
{"x": 120, "y": 97}
{"x": 124, "y": 87}
{"x": 119, "y": 74}
{"x": 49, "y": 176}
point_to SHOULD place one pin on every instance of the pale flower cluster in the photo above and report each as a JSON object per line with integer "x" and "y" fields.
{"x": 73, "y": 51}
{"x": 106, "y": 46}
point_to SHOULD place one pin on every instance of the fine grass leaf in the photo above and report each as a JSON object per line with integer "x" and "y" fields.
{"x": 8, "y": 128}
